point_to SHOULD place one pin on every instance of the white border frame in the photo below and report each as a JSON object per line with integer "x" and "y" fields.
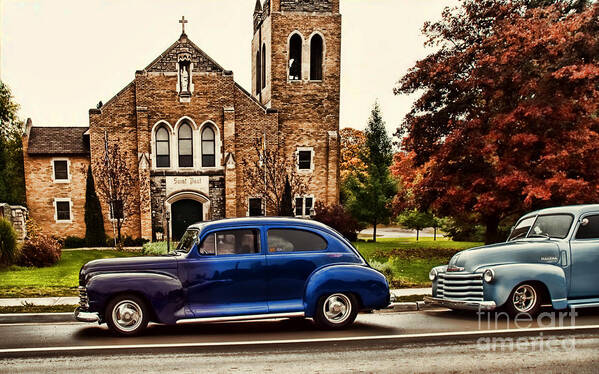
{"x": 63, "y": 199}
{"x": 68, "y": 180}
{"x": 303, "y": 197}
{"x": 297, "y": 151}
{"x": 324, "y": 54}
{"x": 217, "y": 146}
{"x": 194, "y": 134}
{"x": 262, "y": 203}
{"x": 171, "y": 132}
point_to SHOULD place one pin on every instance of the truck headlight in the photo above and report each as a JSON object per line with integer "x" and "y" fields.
{"x": 432, "y": 275}
{"x": 489, "y": 275}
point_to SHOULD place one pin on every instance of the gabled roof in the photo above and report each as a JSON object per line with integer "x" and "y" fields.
{"x": 167, "y": 61}
{"x": 58, "y": 141}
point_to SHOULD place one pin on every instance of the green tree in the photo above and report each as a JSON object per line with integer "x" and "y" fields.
{"x": 416, "y": 220}
{"x": 369, "y": 195}
{"x": 12, "y": 175}
{"x": 94, "y": 222}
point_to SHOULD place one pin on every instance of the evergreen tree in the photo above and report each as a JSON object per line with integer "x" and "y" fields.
{"x": 94, "y": 223}
{"x": 370, "y": 194}
{"x": 12, "y": 174}
{"x": 286, "y": 201}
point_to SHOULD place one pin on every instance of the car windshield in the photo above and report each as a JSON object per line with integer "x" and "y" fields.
{"x": 546, "y": 226}
{"x": 187, "y": 241}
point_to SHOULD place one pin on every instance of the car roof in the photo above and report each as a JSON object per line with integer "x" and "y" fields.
{"x": 570, "y": 209}
{"x": 231, "y": 222}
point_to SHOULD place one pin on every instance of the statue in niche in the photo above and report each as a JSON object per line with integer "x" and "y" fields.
{"x": 184, "y": 77}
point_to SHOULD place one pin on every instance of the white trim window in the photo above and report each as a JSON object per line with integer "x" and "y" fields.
{"x": 256, "y": 207}
{"x": 305, "y": 159}
{"x": 304, "y": 206}
{"x": 63, "y": 210}
{"x": 61, "y": 170}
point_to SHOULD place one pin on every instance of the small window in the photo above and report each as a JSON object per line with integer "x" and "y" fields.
{"x": 589, "y": 228}
{"x": 304, "y": 160}
{"x": 61, "y": 170}
{"x": 303, "y": 206}
{"x": 263, "y": 65}
{"x": 162, "y": 148}
{"x": 293, "y": 240}
{"x": 185, "y": 146}
{"x": 295, "y": 58}
{"x": 208, "y": 147}
{"x": 187, "y": 241}
{"x": 316, "y": 58}
{"x": 258, "y": 72}
{"x": 255, "y": 207}
{"x": 63, "y": 211}
{"x": 231, "y": 242}
{"x": 522, "y": 228}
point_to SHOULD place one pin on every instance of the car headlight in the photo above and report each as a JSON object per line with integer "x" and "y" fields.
{"x": 489, "y": 275}
{"x": 432, "y": 275}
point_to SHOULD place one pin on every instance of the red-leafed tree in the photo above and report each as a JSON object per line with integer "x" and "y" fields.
{"x": 508, "y": 118}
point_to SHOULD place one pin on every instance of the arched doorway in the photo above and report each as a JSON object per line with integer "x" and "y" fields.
{"x": 185, "y": 212}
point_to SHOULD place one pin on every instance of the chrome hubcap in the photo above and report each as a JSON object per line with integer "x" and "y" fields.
{"x": 127, "y": 315}
{"x": 525, "y": 297}
{"x": 337, "y": 308}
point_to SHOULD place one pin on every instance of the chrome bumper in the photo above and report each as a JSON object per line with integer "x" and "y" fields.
{"x": 461, "y": 304}
{"x": 83, "y": 316}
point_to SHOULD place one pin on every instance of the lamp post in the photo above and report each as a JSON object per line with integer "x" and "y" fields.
{"x": 168, "y": 233}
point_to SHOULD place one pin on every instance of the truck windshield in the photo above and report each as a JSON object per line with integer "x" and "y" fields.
{"x": 187, "y": 241}
{"x": 546, "y": 226}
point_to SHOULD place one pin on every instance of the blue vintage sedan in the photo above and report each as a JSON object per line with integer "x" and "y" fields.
{"x": 551, "y": 257}
{"x": 235, "y": 269}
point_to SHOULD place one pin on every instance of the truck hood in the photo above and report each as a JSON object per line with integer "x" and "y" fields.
{"x": 129, "y": 264}
{"x": 520, "y": 251}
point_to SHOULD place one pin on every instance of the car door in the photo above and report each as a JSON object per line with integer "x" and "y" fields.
{"x": 292, "y": 255}
{"x": 584, "y": 281}
{"x": 227, "y": 275}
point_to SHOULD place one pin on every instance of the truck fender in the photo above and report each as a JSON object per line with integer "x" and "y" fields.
{"x": 163, "y": 292}
{"x": 508, "y": 276}
{"x": 368, "y": 285}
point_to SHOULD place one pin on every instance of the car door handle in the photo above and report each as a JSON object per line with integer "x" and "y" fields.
{"x": 564, "y": 258}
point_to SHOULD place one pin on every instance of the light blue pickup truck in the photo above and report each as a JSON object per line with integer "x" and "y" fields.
{"x": 550, "y": 257}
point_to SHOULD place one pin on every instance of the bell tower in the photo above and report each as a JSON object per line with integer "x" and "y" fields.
{"x": 296, "y": 65}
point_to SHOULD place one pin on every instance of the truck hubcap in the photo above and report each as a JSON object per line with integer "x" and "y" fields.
{"x": 337, "y": 308}
{"x": 127, "y": 315}
{"x": 525, "y": 298}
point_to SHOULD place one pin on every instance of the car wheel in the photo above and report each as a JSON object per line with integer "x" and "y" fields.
{"x": 524, "y": 299}
{"x": 127, "y": 315}
{"x": 336, "y": 311}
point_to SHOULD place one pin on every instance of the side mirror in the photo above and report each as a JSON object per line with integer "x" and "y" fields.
{"x": 584, "y": 222}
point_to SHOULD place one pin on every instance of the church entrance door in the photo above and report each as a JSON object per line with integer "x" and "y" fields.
{"x": 184, "y": 213}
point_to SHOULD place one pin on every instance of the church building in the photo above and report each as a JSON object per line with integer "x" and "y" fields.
{"x": 186, "y": 125}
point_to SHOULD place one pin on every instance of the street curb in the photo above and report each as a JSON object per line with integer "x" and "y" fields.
{"x": 36, "y": 318}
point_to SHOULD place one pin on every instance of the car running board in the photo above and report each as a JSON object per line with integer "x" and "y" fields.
{"x": 248, "y": 317}
{"x": 584, "y": 303}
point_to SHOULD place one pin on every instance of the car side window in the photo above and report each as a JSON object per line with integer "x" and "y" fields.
{"x": 589, "y": 228}
{"x": 231, "y": 242}
{"x": 294, "y": 240}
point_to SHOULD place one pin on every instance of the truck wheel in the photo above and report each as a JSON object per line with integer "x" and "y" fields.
{"x": 336, "y": 311}
{"x": 526, "y": 299}
{"x": 127, "y": 315}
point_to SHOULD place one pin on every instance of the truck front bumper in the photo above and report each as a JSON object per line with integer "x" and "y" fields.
{"x": 461, "y": 304}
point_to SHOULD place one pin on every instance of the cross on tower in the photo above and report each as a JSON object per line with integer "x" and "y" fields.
{"x": 183, "y": 21}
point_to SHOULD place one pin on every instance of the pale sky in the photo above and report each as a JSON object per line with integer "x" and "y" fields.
{"x": 60, "y": 57}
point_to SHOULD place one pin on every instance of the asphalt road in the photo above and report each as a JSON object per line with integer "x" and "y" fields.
{"x": 381, "y": 342}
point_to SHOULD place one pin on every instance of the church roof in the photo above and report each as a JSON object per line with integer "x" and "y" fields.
{"x": 167, "y": 61}
{"x": 58, "y": 140}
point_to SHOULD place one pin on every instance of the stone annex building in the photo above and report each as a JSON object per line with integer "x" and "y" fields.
{"x": 185, "y": 125}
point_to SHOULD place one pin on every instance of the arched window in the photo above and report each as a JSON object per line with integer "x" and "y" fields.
{"x": 163, "y": 158}
{"x": 185, "y": 146}
{"x": 208, "y": 147}
{"x": 316, "y": 58}
{"x": 258, "y": 71}
{"x": 263, "y": 66}
{"x": 295, "y": 57}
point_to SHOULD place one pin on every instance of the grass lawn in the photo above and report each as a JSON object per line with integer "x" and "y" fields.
{"x": 58, "y": 280}
{"x": 407, "y": 262}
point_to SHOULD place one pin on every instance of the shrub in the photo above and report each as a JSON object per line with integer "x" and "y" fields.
{"x": 338, "y": 218}
{"x": 384, "y": 267}
{"x": 130, "y": 242}
{"x": 39, "y": 251}
{"x": 74, "y": 242}
{"x": 156, "y": 248}
{"x": 8, "y": 242}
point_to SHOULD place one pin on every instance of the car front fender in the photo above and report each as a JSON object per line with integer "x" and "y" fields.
{"x": 508, "y": 276}
{"x": 368, "y": 285}
{"x": 163, "y": 292}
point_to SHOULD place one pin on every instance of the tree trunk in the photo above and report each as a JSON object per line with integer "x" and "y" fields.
{"x": 435, "y": 234}
{"x": 492, "y": 232}
{"x": 374, "y": 233}
{"x": 417, "y": 234}
{"x": 119, "y": 240}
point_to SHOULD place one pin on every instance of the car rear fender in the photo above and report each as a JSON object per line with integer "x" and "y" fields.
{"x": 163, "y": 292}
{"x": 368, "y": 285}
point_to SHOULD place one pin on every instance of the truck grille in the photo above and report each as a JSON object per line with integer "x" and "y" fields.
{"x": 83, "y": 301}
{"x": 460, "y": 286}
